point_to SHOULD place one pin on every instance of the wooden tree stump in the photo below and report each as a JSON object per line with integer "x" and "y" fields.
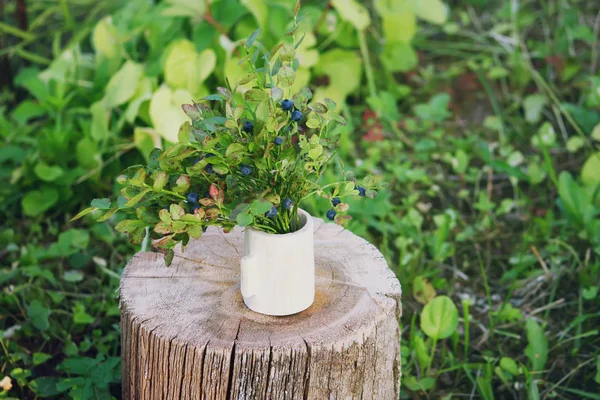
{"x": 186, "y": 333}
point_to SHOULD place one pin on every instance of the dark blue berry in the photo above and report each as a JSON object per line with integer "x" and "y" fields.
{"x": 209, "y": 169}
{"x": 246, "y": 170}
{"x": 296, "y": 116}
{"x": 192, "y": 198}
{"x": 248, "y": 127}
{"x": 278, "y": 140}
{"x": 335, "y": 201}
{"x": 197, "y": 160}
{"x": 331, "y": 215}
{"x": 272, "y": 213}
{"x": 361, "y": 190}
{"x": 287, "y": 203}
{"x": 286, "y": 104}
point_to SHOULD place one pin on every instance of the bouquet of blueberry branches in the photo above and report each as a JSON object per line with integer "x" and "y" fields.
{"x": 248, "y": 157}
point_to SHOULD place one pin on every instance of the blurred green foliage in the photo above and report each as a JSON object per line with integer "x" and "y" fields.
{"x": 483, "y": 115}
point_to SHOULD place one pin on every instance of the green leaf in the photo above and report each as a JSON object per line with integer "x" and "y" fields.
{"x": 422, "y": 352}
{"x": 38, "y": 314}
{"x": 45, "y": 386}
{"x": 255, "y": 95}
{"x": 596, "y": 133}
{"x": 101, "y": 204}
{"x": 37, "y": 202}
{"x": 259, "y": 10}
{"x": 509, "y": 365}
{"x": 399, "y": 21}
{"x": 261, "y": 206}
{"x": 80, "y": 316}
{"x": 40, "y": 358}
{"x": 169, "y": 254}
{"x": 433, "y": 11}
{"x": 439, "y": 318}
{"x": 423, "y": 290}
{"x": 399, "y": 57}
{"x": 344, "y": 69}
{"x": 597, "y": 378}
{"x": 185, "y": 68}
{"x": 534, "y": 105}
{"x": 130, "y": 225}
{"x": 353, "y": 12}
{"x": 574, "y": 144}
{"x": 82, "y": 213}
{"x": 537, "y": 349}
{"x": 166, "y": 113}
{"x": 286, "y": 76}
{"x": 105, "y": 38}
{"x": 123, "y": 85}
{"x": 252, "y": 38}
{"x": 99, "y": 128}
{"x": 73, "y": 276}
{"x": 48, "y": 173}
{"x": 137, "y": 198}
{"x": 590, "y": 172}
{"x": 244, "y": 219}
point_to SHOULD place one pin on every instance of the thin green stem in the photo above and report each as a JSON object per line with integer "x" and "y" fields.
{"x": 367, "y": 61}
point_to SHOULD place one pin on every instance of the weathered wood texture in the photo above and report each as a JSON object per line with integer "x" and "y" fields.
{"x": 186, "y": 333}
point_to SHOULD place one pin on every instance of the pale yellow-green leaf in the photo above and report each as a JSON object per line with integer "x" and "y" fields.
{"x": 123, "y": 85}
{"x": 142, "y": 94}
{"x": 344, "y": 69}
{"x": 146, "y": 139}
{"x": 185, "y": 68}
{"x": 259, "y": 10}
{"x": 307, "y": 56}
{"x": 433, "y": 11}
{"x": 590, "y": 173}
{"x": 100, "y": 115}
{"x": 399, "y": 21}
{"x": 596, "y": 133}
{"x": 399, "y": 57}
{"x": 166, "y": 113}
{"x": 105, "y": 38}
{"x": 353, "y": 12}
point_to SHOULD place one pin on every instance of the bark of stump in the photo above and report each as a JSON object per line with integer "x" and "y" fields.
{"x": 186, "y": 333}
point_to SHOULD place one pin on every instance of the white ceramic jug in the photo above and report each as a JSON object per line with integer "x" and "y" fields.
{"x": 278, "y": 270}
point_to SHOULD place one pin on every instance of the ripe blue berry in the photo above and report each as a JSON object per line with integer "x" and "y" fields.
{"x": 272, "y": 213}
{"x": 248, "y": 127}
{"x": 287, "y": 203}
{"x": 192, "y": 198}
{"x": 296, "y": 116}
{"x": 361, "y": 190}
{"x": 335, "y": 201}
{"x": 331, "y": 215}
{"x": 246, "y": 170}
{"x": 286, "y": 104}
{"x": 278, "y": 140}
{"x": 209, "y": 169}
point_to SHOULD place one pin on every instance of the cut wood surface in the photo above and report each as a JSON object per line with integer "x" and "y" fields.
{"x": 186, "y": 333}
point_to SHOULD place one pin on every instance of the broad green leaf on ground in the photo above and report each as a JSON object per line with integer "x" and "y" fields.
{"x": 145, "y": 140}
{"x": 433, "y": 11}
{"x": 40, "y": 358}
{"x": 537, "y": 349}
{"x": 344, "y": 69}
{"x": 423, "y": 290}
{"x": 575, "y": 143}
{"x": 48, "y": 173}
{"x": 590, "y": 172}
{"x": 533, "y": 105}
{"x": 399, "y": 21}
{"x": 187, "y": 69}
{"x": 100, "y": 115}
{"x": 37, "y": 202}
{"x": 546, "y": 135}
{"x": 596, "y": 133}
{"x": 105, "y": 38}
{"x": 143, "y": 93}
{"x": 38, "y": 314}
{"x": 399, "y": 57}
{"x": 166, "y": 113}
{"x": 439, "y": 318}
{"x": 123, "y": 85}
{"x": 353, "y": 12}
